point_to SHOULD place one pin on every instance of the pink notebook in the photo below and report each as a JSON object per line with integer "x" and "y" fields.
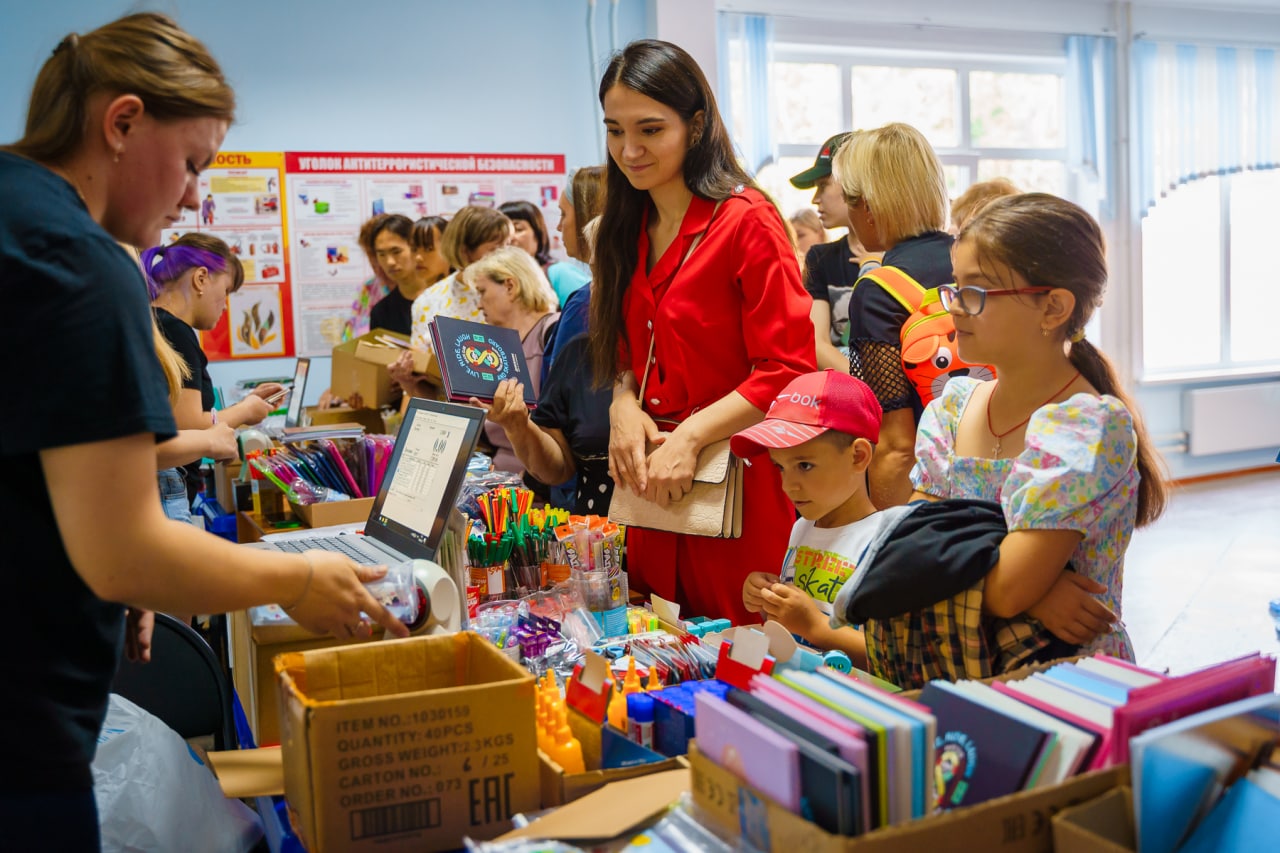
{"x": 745, "y": 747}
{"x": 1189, "y": 694}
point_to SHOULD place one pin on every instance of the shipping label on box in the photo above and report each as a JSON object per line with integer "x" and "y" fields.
{"x": 406, "y": 745}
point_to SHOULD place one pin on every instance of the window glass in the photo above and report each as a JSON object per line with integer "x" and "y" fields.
{"x": 1032, "y": 176}
{"x": 1181, "y": 278}
{"x": 1255, "y": 278}
{"x": 925, "y": 98}
{"x": 807, "y": 99}
{"x": 775, "y": 179}
{"x": 1016, "y": 110}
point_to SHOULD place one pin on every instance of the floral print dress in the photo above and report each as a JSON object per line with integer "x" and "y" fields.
{"x": 1078, "y": 471}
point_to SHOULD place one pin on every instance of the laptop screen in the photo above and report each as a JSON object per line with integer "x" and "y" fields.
{"x": 297, "y": 393}
{"x": 424, "y": 476}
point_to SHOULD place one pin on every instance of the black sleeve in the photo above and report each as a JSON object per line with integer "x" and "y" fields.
{"x": 875, "y": 344}
{"x": 554, "y": 401}
{"x": 815, "y": 273}
{"x": 81, "y": 321}
{"x": 185, "y": 343}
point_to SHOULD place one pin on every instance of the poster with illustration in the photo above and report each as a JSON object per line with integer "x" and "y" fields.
{"x": 256, "y": 317}
{"x": 331, "y": 194}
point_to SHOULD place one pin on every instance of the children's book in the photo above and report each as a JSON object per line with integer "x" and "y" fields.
{"x": 1092, "y": 717}
{"x": 982, "y": 753}
{"x": 1077, "y": 680}
{"x": 1121, "y": 670}
{"x": 476, "y": 357}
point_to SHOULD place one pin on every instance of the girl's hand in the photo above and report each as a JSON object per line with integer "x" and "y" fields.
{"x": 1070, "y": 611}
{"x": 793, "y": 609}
{"x": 222, "y": 443}
{"x": 251, "y": 410}
{"x": 629, "y": 430}
{"x": 753, "y": 588}
{"x": 670, "y": 469}
{"x": 267, "y": 390}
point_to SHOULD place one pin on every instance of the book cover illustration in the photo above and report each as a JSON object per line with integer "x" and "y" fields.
{"x": 476, "y": 357}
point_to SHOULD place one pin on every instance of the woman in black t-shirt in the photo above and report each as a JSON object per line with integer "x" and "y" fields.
{"x": 121, "y": 122}
{"x": 190, "y": 279}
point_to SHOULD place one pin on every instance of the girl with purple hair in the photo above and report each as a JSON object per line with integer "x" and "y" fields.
{"x": 189, "y": 280}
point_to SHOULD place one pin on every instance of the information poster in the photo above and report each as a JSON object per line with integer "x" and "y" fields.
{"x": 330, "y": 195}
{"x": 242, "y": 202}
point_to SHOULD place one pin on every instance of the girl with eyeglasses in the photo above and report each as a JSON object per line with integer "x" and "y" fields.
{"x": 1055, "y": 439}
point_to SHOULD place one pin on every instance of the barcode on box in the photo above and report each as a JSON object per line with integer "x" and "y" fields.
{"x": 391, "y": 820}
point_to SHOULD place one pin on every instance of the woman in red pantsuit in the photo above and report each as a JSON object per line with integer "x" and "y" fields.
{"x": 691, "y": 254}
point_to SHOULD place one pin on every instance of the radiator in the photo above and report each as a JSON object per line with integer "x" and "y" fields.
{"x": 1237, "y": 417}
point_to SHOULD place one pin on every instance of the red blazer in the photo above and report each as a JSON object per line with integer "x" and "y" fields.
{"x": 733, "y": 316}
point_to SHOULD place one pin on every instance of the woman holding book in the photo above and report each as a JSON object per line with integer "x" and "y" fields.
{"x": 121, "y": 123}
{"x": 696, "y": 298}
{"x": 1055, "y": 440}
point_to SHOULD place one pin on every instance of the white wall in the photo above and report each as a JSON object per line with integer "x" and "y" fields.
{"x": 396, "y": 75}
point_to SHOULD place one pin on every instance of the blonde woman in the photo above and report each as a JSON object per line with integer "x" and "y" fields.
{"x": 515, "y": 294}
{"x": 897, "y": 198}
{"x": 121, "y": 122}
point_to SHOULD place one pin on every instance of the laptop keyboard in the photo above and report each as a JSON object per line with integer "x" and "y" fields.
{"x": 337, "y": 544}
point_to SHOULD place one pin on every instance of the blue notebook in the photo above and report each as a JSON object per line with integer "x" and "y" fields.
{"x": 1246, "y": 820}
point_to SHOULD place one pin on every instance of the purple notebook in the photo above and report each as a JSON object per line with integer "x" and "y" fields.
{"x": 754, "y": 753}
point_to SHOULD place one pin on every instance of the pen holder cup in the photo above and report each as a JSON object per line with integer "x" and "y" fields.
{"x": 554, "y": 573}
{"x": 495, "y": 582}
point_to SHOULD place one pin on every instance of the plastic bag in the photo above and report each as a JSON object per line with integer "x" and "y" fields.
{"x": 154, "y": 794}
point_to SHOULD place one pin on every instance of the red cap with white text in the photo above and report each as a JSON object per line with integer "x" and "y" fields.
{"x": 809, "y": 406}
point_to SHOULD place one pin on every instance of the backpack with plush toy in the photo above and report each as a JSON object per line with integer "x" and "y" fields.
{"x": 929, "y": 354}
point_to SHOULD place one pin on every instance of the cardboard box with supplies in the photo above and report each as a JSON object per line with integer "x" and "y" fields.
{"x": 406, "y": 745}
{"x": 1018, "y": 823}
{"x": 360, "y": 366}
{"x": 353, "y": 511}
{"x": 559, "y": 787}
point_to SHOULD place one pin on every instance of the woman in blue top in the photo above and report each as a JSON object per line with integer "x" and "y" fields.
{"x": 121, "y": 122}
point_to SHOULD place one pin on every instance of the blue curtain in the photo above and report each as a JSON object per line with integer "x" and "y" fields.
{"x": 1091, "y": 83}
{"x": 746, "y": 41}
{"x": 1202, "y": 111}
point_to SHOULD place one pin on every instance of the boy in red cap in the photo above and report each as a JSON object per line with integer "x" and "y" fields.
{"x": 820, "y": 432}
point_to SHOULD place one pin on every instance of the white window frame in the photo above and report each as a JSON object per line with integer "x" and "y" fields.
{"x": 964, "y": 155}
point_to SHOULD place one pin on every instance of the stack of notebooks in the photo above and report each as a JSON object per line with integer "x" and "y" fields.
{"x": 852, "y": 757}
{"x": 846, "y": 755}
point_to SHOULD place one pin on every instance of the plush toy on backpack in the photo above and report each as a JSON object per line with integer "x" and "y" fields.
{"x": 930, "y": 357}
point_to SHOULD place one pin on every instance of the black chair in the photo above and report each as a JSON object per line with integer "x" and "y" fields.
{"x": 183, "y": 685}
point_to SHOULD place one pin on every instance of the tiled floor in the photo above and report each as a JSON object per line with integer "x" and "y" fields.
{"x": 1198, "y": 581}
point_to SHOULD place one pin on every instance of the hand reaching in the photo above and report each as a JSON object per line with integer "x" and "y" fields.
{"x": 334, "y": 596}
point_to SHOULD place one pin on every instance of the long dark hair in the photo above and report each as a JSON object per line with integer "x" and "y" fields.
{"x": 1054, "y": 243}
{"x": 666, "y": 73}
{"x": 528, "y": 213}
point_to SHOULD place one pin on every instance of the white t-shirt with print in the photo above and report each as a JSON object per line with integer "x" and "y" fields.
{"x": 820, "y": 559}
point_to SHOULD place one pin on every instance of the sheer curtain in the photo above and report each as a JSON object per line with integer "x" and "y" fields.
{"x": 1091, "y": 85}
{"x": 1202, "y": 111}
{"x": 746, "y": 92}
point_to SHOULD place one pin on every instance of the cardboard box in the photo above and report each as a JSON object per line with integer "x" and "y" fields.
{"x": 370, "y": 419}
{"x": 559, "y": 787}
{"x": 354, "y": 511}
{"x": 360, "y": 366}
{"x": 406, "y": 745}
{"x": 1018, "y": 823}
{"x": 225, "y": 475}
{"x": 1102, "y": 825}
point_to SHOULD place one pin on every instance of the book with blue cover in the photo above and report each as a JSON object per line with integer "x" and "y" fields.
{"x": 475, "y": 357}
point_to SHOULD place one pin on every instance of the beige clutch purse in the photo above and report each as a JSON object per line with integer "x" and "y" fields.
{"x": 713, "y": 507}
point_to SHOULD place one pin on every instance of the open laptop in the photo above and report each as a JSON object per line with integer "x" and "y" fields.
{"x": 274, "y": 425}
{"x": 418, "y": 491}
